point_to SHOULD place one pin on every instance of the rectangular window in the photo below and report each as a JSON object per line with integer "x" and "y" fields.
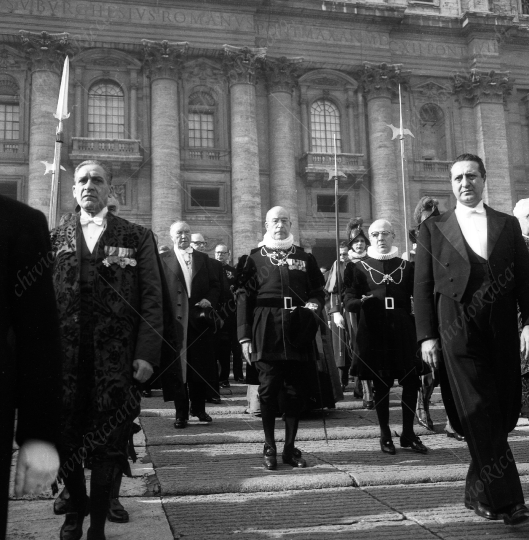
{"x": 201, "y": 132}
{"x": 9, "y": 189}
{"x": 205, "y": 197}
{"x": 325, "y": 203}
{"x": 9, "y": 122}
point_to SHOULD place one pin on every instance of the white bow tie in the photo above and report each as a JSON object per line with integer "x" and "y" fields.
{"x": 85, "y": 219}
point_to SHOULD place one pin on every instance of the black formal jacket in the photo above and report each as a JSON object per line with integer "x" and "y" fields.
{"x": 442, "y": 266}
{"x": 30, "y": 351}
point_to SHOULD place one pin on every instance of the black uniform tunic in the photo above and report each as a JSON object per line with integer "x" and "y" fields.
{"x": 386, "y": 337}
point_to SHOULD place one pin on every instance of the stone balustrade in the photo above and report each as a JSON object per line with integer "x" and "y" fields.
{"x": 318, "y": 167}
{"x": 115, "y": 150}
{"x": 14, "y": 151}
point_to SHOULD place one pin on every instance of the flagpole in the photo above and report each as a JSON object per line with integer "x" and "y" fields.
{"x": 55, "y": 168}
{"x": 406, "y": 240}
{"x": 337, "y": 229}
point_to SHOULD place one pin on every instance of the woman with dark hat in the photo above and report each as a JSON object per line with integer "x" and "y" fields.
{"x": 358, "y": 244}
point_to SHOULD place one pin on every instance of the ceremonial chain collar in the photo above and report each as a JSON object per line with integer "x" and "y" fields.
{"x": 278, "y": 257}
{"x": 386, "y": 278}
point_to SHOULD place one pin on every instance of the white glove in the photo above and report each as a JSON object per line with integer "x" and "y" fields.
{"x": 338, "y": 319}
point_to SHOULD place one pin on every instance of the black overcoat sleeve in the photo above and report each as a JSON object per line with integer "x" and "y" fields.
{"x": 151, "y": 324}
{"x": 214, "y": 285}
{"x": 247, "y": 286}
{"x": 521, "y": 272}
{"x": 426, "y": 322}
{"x": 316, "y": 293}
{"x": 35, "y": 325}
{"x": 355, "y": 286}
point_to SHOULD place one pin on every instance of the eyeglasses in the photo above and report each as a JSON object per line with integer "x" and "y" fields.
{"x": 376, "y": 234}
{"x": 200, "y": 244}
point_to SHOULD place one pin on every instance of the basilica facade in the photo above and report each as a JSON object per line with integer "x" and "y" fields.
{"x": 213, "y": 112}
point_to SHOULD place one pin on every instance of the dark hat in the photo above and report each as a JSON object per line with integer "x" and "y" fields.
{"x": 303, "y": 327}
{"x": 354, "y": 229}
{"x": 426, "y": 207}
{"x": 204, "y": 319}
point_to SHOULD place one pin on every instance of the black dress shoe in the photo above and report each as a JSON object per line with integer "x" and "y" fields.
{"x": 387, "y": 446}
{"x": 414, "y": 443}
{"x": 454, "y": 435}
{"x": 72, "y": 528}
{"x": 215, "y": 400}
{"x": 369, "y": 405}
{"x": 241, "y": 380}
{"x": 269, "y": 458}
{"x": 516, "y": 515}
{"x": 62, "y": 504}
{"x": 116, "y": 512}
{"x": 294, "y": 458}
{"x": 224, "y": 384}
{"x": 180, "y": 423}
{"x": 204, "y": 417}
{"x": 481, "y": 509}
{"x": 147, "y": 393}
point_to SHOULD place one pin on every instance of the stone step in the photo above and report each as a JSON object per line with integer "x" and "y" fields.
{"x": 237, "y": 468}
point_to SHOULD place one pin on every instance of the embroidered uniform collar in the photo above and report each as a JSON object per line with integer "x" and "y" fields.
{"x": 283, "y": 245}
{"x": 467, "y": 211}
{"x": 373, "y": 253}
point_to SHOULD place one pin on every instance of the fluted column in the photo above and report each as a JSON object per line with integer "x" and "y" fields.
{"x": 247, "y": 227}
{"x": 133, "y": 104}
{"x": 350, "y": 120}
{"x": 380, "y": 84}
{"x": 78, "y": 101}
{"x": 283, "y": 190}
{"x": 162, "y": 61}
{"x": 304, "y": 104}
{"x": 488, "y": 91}
{"x": 46, "y": 53}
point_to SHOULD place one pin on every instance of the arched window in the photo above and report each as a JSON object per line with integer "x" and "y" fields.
{"x": 433, "y": 132}
{"x": 106, "y": 111}
{"x": 324, "y": 124}
{"x": 201, "y": 115}
{"x": 9, "y": 110}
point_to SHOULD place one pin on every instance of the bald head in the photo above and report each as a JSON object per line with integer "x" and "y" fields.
{"x": 180, "y": 234}
{"x": 278, "y": 223}
{"x": 381, "y": 235}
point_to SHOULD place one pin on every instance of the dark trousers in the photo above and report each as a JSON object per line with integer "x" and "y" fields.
{"x": 291, "y": 379}
{"x": 474, "y": 378}
{"x": 193, "y": 393}
{"x": 229, "y": 345}
{"x": 6, "y": 452}
{"x": 410, "y": 388}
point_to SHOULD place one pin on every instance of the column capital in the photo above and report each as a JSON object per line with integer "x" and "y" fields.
{"x": 240, "y": 63}
{"x": 163, "y": 58}
{"x": 281, "y": 73}
{"x": 381, "y": 80}
{"x": 483, "y": 86}
{"x": 45, "y": 51}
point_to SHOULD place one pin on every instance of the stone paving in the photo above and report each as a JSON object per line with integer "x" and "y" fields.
{"x": 207, "y": 482}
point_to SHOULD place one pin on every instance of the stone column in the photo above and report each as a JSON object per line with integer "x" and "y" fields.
{"x": 162, "y": 61}
{"x": 78, "y": 101}
{"x": 133, "y": 104}
{"x": 305, "y": 134}
{"x": 247, "y": 222}
{"x": 380, "y": 84}
{"x": 283, "y": 190}
{"x": 488, "y": 91}
{"x": 352, "y": 144}
{"x": 46, "y": 53}
{"x": 361, "y": 124}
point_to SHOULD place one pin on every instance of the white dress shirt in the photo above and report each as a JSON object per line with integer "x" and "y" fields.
{"x": 186, "y": 263}
{"x": 93, "y": 227}
{"x": 473, "y": 223}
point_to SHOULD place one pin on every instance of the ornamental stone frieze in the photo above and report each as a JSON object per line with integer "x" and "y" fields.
{"x": 381, "y": 80}
{"x": 241, "y": 63}
{"x": 483, "y": 86}
{"x": 281, "y": 73}
{"x": 163, "y": 59}
{"x": 44, "y": 50}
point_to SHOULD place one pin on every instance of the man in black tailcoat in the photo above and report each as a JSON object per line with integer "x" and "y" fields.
{"x": 229, "y": 344}
{"x": 30, "y": 353}
{"x": 194, "y": 287}
{"x": 472, "y": 268}
{"x": 277, "y": 318}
